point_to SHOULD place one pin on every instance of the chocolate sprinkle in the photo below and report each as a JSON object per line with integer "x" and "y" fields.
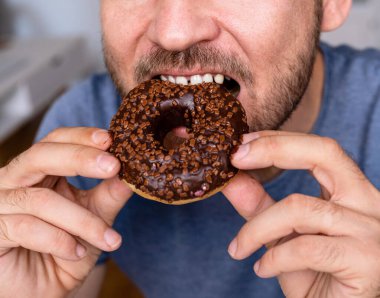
{"x": 214, "y": 119}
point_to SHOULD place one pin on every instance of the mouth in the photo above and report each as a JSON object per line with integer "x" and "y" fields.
{"x": 227, "y": 82}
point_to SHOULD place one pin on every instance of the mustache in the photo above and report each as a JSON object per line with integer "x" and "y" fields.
{"x": 206, "y": 57}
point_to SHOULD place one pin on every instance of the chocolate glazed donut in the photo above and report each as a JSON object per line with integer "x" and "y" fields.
{"x": 197, "y": 168}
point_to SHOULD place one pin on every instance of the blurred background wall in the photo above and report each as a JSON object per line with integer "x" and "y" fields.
{"x": 81, "y": 17}
{"x": 45, "y": 18}
{"x": 362, "y": 28}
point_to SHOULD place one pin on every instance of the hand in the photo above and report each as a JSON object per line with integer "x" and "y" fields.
{"x": 51, "y": 233}
{"x": 317, "y": 247}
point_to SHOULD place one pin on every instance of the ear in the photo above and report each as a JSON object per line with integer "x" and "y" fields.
{"x": 335, "y": 12}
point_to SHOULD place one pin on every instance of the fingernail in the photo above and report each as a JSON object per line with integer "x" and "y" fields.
{"x": 242, "y": 152}
{"x": 106, "y": 163}
{"x": 232, "y": 248}
{"x": 112, "y": 238}
{"x": 100, "y": 137}
{"x": 81, "y": 250}
{"x": 256, "y": 267}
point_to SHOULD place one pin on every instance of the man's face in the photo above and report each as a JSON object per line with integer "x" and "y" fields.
{"x": 267, "y": 47}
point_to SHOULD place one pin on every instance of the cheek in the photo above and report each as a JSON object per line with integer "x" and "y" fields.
{"x": 273, "y": 33}
{"x": 257, "y": 23}
{"x": 276, "y": 33}
{"x": 123, "y": 24}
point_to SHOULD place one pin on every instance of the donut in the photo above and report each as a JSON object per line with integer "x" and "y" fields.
{"x": 198, "y": 167}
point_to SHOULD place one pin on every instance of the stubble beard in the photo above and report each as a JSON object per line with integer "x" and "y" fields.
{"x": 270, "y": 111}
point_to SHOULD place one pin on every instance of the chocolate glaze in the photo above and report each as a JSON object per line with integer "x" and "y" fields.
{"x": 215, "y": 121}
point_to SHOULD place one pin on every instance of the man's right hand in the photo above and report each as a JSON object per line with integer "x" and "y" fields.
{"x": 51, "y": 233}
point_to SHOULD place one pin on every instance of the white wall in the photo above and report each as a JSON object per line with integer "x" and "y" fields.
{"x": 80, "y": 17}
{"x": 36, "y": 18}
{"x": 362, "y": 28}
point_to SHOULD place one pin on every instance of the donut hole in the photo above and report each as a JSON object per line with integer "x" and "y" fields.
{"x": 171, "y": 129}
{"x": 172, "y": 140}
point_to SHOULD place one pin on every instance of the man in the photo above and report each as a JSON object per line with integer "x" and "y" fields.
{"x": 322, "y": 237}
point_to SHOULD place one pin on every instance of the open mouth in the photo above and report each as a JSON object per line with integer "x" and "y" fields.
{"x": 230, "y": 84}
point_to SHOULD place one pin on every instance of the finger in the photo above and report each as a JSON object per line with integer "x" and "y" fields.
{"x": 44, "y": 159}
{"x": 34, "y": 234}
{"x": 108, "y": 198}
{"x": 87, "y": 136}
{"x": 303, "y": 215}
{"x": 247, "y": 195}
{"x": 249, "y": 137}
{"x": 64, "y": 214}
{"x": 337, "y": 256}
{"x": 323, "y": 157}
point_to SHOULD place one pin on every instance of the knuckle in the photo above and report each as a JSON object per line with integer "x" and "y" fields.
{"x": 61, "y": 242}
{"x": 323, "y": 253}
{"x": 32, "y": 200}
{"x": 315, "y": 207}
{"x": 53, "y": 135}
{"x": 330, "y": 214}
{"x": 305, "y": 248}
{"x": 330, "y": 254}
{"x": 33, "y": 155}
{"x": 79, "y": 153}
{"x": 294, "y": 202}
{"x": 326, "y": 212}
{"x": 13, "y": 163}
{"x": 271, "y": 143}
{"x": 22, "y": 225}
{"x": 331, "y": 145}
{"x": 39, "y": 199}
{"x": 333, "y": 150}
{"x": 37, "y": 149}
{"x": 18, "y": 198}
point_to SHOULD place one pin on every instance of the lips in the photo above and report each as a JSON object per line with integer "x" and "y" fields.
{"x": 230, "y": 84}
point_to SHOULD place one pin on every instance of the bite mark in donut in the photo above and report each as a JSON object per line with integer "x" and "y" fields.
{"x": 198, "y": 167}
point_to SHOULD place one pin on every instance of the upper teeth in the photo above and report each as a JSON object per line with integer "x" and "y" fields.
{"x": 195, "y": 79}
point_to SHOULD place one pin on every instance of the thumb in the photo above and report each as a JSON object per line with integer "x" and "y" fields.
{"x": 247, "y": 195}
{"x": 107, "y": 199}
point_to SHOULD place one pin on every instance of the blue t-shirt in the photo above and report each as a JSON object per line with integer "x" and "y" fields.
{"x": 181, "y": 251}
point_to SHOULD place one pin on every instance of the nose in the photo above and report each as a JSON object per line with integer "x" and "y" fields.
{"x": 179, "y": 24}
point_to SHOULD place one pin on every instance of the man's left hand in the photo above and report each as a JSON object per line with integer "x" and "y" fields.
{"x": 317, "y": 247}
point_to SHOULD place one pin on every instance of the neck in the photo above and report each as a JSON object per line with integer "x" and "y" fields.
{"x": 304, "y": 117}
{"x": 306, "y": 114}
